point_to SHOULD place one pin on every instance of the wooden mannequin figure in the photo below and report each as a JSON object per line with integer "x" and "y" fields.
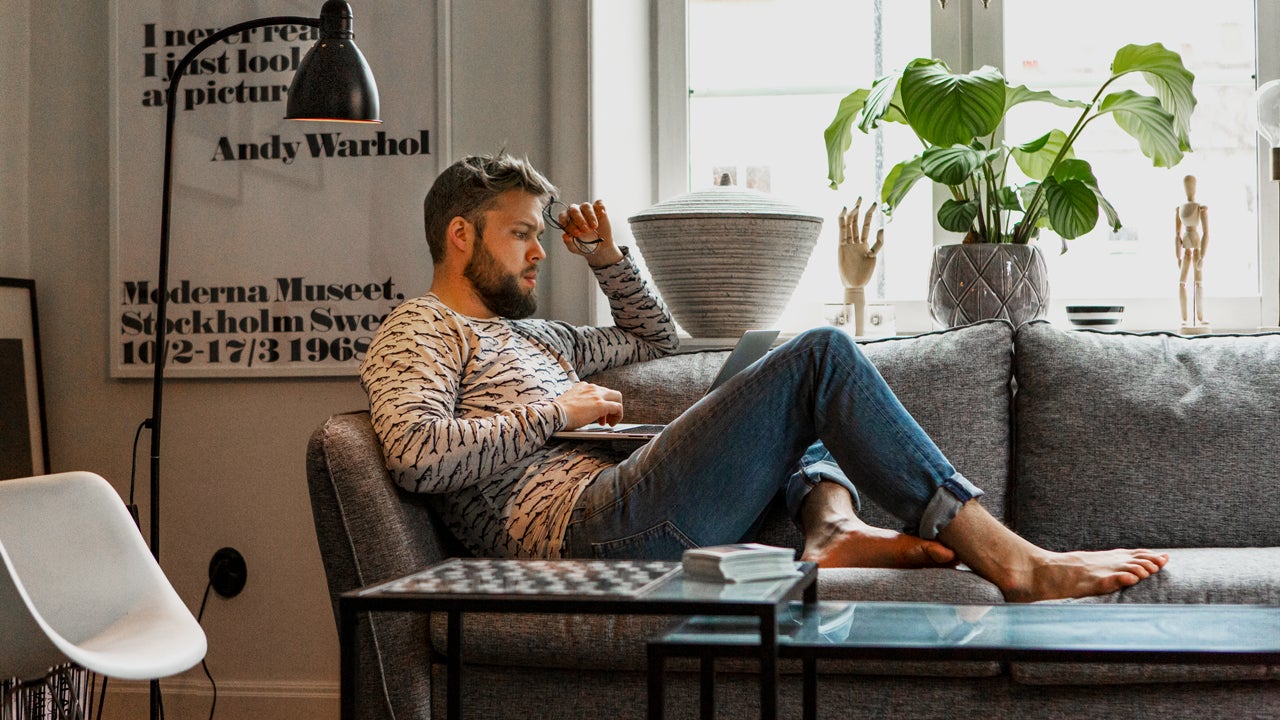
{"x": 1191, "y": 241}
{"x": 857, "y": 260}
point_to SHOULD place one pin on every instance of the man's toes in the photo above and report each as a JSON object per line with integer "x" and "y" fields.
{"x": 1149, "y": 565}
{"x": 1138, "y": 569}
{"x": 1158, "y": 559}
{"x": 940, "y": 554}
{"x": 1126, "y": 579}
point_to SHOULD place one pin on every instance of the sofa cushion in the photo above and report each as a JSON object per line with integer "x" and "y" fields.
{"x": 933, "y": 585}
{"x": 954, "y": 382}
{"x": 1146, "y": 440}
{"x": 1220, "y": 576}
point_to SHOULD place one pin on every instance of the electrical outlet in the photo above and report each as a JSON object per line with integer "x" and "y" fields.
{"x": 228, "y": 572}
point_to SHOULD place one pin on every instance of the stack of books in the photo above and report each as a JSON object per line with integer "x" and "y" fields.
{"x": 742, "y": 562}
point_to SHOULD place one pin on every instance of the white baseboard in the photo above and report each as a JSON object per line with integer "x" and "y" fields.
{"x": 186, "y": 697}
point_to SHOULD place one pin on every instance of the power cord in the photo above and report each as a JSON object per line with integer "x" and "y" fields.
{"x": 102, "y": 695}
{"x": 133, "y": 473}
{"x": 204, "y": 662}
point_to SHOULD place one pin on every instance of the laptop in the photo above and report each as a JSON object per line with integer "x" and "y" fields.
{"x": 751, "y": 347}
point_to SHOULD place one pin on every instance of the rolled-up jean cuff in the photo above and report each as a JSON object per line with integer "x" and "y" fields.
{"x": 807, "y": 477}
{"x": 947, "y": 500}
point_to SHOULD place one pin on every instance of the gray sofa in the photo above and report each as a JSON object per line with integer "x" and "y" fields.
{"x": 1109, "y": 440}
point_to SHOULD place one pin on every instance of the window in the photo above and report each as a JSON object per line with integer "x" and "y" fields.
{"x": 764, "y": 78}
{"x": 1139, "y": 262}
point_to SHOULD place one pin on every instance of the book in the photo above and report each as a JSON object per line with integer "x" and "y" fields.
{"x": 740, "y": 562}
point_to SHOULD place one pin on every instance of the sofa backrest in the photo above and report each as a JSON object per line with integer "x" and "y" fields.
{"x": 1146, "y": 440}
{"x": 954, "y": 382}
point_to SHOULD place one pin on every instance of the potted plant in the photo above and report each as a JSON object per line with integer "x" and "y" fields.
{"x": 1002, "y": 206}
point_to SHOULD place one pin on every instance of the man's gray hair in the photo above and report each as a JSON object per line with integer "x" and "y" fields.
{"x": 470, "y": 187}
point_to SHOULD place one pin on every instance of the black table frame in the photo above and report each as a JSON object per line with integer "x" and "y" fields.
{"x": 376, "y": 598}
{"x": 809, "y": 653}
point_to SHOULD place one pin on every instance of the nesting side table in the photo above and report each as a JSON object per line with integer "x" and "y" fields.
{"x": 610, "y": 587}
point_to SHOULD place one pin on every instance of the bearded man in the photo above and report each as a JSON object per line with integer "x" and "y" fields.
{"x": 466, "y": 390}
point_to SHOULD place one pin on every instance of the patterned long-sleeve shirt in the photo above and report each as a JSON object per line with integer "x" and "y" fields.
{"x": 465, "y": 407}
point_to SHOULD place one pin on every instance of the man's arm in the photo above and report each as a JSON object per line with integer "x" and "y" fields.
{"x": 643, "y": 328}
{"x": 413, "y": 374}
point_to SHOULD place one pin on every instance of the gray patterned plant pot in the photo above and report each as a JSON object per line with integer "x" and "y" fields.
{"x": 725, "y": 259}
{"x": 980, "y": 281}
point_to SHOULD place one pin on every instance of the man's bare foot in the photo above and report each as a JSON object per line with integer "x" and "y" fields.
{"x": 853, "y": 543}
{"x": 1056, "y": 576}
{"x": 835, "y": 537}
{"x": 1025, "y": 572}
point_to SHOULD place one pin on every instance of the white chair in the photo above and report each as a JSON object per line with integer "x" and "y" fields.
{"x": 79, "y": 585}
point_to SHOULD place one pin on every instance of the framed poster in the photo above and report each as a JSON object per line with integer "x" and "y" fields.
{"x": 290, "y": 241}
{"x": 24, "y": 439}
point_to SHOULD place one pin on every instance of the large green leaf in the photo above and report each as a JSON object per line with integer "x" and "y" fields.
{"x": 883, "y": 101}
{"x": 958, "y": 215}
{"x": 1163, "y": 70}
{"x": 1072, "y": 208}
{"x": 1033, "y": 146}
{"x": 948, "y": 109}
{"x": 1007, "y": 198}
{"x": 1113, "y": 217}
{"x": 1074, "y": 170}
{"x": 1080, "y": 170}
{"x": 1145, "y": 119}
{"x": 951, "y": 165}
{"x": 839, "y": 135}
{"x": 1036, "y": 157}
{"x": 1026, "y": 192}
{"x": 1021, "y": 93}
{"x": 898, "y": 183}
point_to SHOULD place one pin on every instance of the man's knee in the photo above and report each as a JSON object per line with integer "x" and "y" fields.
{"x": 824, "y": 336}
{"x": 826, "y": 340}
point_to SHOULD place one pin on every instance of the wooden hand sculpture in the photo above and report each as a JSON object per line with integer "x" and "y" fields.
{"x": 857, "y": 259}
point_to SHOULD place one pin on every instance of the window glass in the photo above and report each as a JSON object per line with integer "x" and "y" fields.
{"x": 1216, "y": 45}
{"x": 765, "y": 79}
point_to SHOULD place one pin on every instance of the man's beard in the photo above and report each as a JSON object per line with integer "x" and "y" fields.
{"x": 500, "y": 291}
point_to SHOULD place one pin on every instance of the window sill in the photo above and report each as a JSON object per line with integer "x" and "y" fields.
{"x": 1235, "y": 316}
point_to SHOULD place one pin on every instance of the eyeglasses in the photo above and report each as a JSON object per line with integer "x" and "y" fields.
{"x": 552, "y": 213}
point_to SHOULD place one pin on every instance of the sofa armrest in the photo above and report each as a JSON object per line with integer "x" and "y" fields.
{"x": 369, "y": 530}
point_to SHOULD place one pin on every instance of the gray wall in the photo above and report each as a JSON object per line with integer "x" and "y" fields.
{"x": 233, "y": 454}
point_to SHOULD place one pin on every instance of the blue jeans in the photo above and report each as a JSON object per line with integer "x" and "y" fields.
{"x": 813, "y": 409}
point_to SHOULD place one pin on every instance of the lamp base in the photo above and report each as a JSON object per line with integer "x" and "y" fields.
{"x": 1269, "y": 328}
{"x": 1194, "y": 330}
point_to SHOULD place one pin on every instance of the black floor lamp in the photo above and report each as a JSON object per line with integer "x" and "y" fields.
{"x": 333, "y": 82}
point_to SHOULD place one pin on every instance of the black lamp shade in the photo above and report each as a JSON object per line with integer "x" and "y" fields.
{"x": 333, "y": 81}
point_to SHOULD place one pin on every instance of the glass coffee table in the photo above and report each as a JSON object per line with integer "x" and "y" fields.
{"x": 621, "y": 587}
{"x": 1041, "y": 632}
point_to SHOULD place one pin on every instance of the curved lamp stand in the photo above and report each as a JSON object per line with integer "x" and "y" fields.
{"x": 334, "y": 83}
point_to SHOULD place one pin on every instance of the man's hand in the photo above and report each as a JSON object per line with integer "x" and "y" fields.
{"x": 587, "y": 222}
{"x": 586, "y": 403}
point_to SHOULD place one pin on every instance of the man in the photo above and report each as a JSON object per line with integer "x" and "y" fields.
{"x": 465, "y": 394}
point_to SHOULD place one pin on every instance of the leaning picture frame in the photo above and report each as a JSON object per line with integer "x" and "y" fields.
{"x": 24, "y": 440}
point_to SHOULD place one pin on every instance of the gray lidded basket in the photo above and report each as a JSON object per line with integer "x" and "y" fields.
{"x": 725, "y": 259}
